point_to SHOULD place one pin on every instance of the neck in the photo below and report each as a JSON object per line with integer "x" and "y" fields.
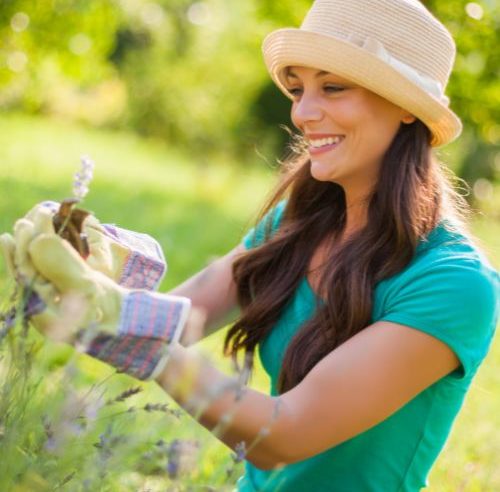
{"x": 356, "y": 213}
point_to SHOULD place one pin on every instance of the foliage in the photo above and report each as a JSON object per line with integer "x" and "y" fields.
{"x": 65, "y": 423}
{"x": 474, "y": 87}
{"x": 59, "y": 432}
{"x": 158, "y": 192}
{"x": 191, "y": 72}
{"x": 48, "y": 49}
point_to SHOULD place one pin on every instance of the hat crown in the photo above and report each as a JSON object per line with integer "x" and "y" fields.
{"x": 407, "y": 30}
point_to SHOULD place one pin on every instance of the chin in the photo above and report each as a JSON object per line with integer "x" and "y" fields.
{"x": 322, "y": 172}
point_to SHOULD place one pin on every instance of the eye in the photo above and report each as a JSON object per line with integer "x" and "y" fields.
{"x": 295, "y": 91}
{"x": 330, "y": 88}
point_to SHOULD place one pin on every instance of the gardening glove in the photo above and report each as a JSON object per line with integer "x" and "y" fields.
{"x": 127, "y": 328}
{"x": 14, "y": 248}
{"x": 8, "y": 248}
{"x": 133, "y": 259}
{"x": 18, "y": 263}
{"x": 130, "y": 258}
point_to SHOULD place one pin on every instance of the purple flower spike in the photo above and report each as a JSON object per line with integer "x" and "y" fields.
{"x": 83, "y": 178}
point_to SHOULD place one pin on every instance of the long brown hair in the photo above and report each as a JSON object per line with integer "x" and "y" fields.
{"x": 409, "y": 198}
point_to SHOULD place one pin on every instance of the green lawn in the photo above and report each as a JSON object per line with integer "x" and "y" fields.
{"x": 198, "y": 210}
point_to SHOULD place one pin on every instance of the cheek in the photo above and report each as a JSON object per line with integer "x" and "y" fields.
{"x": 346, "y": 113}
{"x": 295, "y": 121}
{"x": 374, "y": 122}
{"x": 355, "y": 116}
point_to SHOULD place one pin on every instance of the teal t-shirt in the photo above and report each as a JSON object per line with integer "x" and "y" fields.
{"x": 449, "y": 290}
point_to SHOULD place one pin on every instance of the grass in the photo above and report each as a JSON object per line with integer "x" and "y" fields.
{"x": 198, "y": 211}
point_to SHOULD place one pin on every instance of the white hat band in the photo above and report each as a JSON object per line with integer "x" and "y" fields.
{"x": 377, "y": 48}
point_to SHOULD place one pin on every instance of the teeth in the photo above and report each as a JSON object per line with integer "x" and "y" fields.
{"x": 325, "y": 141}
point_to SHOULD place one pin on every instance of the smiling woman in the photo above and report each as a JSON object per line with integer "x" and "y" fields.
{"x": 347, "y": 127}
{"x": 368, "y": 300}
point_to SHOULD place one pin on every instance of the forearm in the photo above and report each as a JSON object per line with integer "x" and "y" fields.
{"x": 213, "y": 296}
{"x": 209, "y": 313}
{"x": 233, "y": 413}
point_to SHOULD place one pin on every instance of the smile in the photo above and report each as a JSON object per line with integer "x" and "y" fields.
{"x": 320, "y": 145}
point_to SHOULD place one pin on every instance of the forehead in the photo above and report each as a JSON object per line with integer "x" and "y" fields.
{"x": 299, "y": 72}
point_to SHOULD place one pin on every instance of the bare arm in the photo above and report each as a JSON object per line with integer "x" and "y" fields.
{"x": 213, "y": 295}
{"x": 356, "y": 386}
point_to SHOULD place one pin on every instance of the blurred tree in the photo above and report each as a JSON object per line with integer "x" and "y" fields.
{"x": 191, "y": 72}
{"x": 474, "y": 87}
{"x": 49, "y": 48}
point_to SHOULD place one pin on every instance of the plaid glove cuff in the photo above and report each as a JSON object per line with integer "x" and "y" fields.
{"x": 144, "y": 266}
{"x": 142, "y": 358}
{"x": 151, "y": 315}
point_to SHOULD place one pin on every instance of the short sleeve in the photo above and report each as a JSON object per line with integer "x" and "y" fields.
{"x": 454, "y": 300}
{"x": 266, "y": 227}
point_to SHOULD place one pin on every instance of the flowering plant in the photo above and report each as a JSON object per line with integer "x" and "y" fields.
{"x": 57, "y": 433}
{"x": 68, "y": 221}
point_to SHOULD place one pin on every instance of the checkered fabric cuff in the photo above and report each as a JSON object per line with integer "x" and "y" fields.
{"x": 152, "y": 315}
{"x": 145, "y": 265}
{"x": 148, "y": 323}
{"x": 140, "y": 357}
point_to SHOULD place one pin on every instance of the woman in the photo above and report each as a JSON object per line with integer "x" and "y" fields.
{"x": 370, "y": 305}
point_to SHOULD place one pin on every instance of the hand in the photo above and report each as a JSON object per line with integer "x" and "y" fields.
{"x": 14, "y": 248}
{"x": 22, "y": 271}
{"x": 129, "y": 329}
{"x": 132, "y": 259}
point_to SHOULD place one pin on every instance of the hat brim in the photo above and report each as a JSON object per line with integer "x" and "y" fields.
{"x": 296, "y": 47}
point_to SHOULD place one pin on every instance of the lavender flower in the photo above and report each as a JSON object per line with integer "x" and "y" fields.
{"x": 83, "y": 178}
{"x": 240, "y": 452}
{"x": 181, "y": 457}
{"x": 124, "y": 395}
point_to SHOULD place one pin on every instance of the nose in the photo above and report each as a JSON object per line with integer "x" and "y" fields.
{"x": 306, "y": 109}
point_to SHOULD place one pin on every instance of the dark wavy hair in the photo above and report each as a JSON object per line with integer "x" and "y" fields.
{"x": 411, "y": 195}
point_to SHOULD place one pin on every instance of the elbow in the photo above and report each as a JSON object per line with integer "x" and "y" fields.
{"x": 276, "y": 460}
{"x": 266, "y": 463}
{"x": 271, "y": 455}
{"x": 265, "y": 455}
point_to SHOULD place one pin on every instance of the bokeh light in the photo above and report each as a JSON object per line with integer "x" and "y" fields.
{"x": 474, "y": 10}
{"x": 199, "y": 13}
{"x": 80, "y": 44}
{"x": 152, "y": 14}
{"x": 19, "y": 21}
{"x": 17, "y": 61}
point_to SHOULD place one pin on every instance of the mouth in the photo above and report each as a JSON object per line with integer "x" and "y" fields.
{"x": 325, "y": 144}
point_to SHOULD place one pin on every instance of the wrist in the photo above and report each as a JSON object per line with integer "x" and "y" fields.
{"x": 151, "y": 315}
{"x": 195, "y": 383}
{"x": 179, "y": 374}
{"x": 145, "y": 328}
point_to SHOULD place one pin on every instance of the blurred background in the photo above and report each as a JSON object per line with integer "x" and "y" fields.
{"x": 173, "y": 102}
{"x": 191, "y": 74}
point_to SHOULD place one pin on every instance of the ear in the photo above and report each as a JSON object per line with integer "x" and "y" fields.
{"x": 407, "y": 118}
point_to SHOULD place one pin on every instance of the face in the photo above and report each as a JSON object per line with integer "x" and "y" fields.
{"x": 348, "y": 128}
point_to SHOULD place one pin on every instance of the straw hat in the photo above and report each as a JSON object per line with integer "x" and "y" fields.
{"x": 395, "y": 48}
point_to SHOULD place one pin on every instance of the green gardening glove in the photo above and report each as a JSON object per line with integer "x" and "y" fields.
{"x": 133, "y": 259}
{"x": 14, "y": 248}
{"x": 129, "y": 329}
